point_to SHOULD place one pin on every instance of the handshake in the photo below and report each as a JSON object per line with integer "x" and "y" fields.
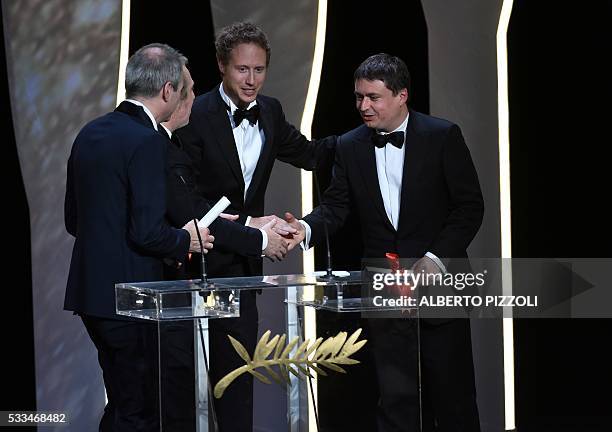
{"x": 283, "y": 235}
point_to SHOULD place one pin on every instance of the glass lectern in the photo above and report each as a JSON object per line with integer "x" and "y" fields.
{"x": 190, "y": 304}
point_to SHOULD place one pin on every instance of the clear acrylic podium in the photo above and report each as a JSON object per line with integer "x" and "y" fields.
{"x": 191, "y": 304}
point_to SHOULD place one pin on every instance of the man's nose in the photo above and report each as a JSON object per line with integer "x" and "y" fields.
{"x": 250, "y": 77}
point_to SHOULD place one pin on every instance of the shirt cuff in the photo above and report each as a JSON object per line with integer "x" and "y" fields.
{"x": 248, "y": 221}
{"x": 264, "y": 239}
{"x": 437, "y": 261}
{"x": 305, "y": 243}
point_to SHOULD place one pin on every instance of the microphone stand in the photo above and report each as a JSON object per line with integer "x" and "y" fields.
{"x": 203, "y": 284}
{"x": 203, "y": 275}
{"x": 329, "y": 275}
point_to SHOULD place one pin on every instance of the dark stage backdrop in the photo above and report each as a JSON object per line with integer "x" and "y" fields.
{"x": 560, "y": 162}
{"x": 187, "y": 26}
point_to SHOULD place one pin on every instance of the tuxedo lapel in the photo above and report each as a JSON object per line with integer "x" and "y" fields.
{"x": 414, "y": 157}
{"x": 224, "y": 137}
{"x": 364, "y": 151}
{"x": 266, "y": 123}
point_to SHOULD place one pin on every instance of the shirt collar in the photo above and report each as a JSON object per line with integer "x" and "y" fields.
{"x": 146, "y": 110}
{"x": 167, "y": 130}
{"x": 401, "y": 127}
{"x": 229, "y": 101}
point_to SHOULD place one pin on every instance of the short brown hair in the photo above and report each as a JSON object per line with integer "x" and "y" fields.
{"x": 238, "y": 33}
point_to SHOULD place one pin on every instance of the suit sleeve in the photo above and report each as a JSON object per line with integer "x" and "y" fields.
{"x": 148, "y": 230}
{"x": 465, "y": 196}
{"x": 297, "y": 150}
{"x": 185, "y": 202}
{"x": 236, "y": 238}
{"x": 335, "y": 206}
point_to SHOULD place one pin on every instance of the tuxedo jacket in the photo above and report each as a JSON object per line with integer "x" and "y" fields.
{"x": 115, "y": 208}
{"x": 441, "y": 205}
{"x": 185, "y": 202}
{"x": 209, "y": 141}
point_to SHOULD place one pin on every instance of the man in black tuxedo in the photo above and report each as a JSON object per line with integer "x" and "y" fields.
{"x": 234, "y": 137}
{"x": 412, "y": 181}
{"x": 115, "y": 206}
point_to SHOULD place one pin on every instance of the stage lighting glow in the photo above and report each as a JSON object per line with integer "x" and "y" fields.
{"x": 310, "y": 324}
{"x": 124, "y": 49}
{"x": 504, "y": 204}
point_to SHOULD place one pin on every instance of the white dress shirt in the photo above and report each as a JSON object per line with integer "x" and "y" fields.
{"x": 390, "y": 169}
{"x": 249, "y": 141}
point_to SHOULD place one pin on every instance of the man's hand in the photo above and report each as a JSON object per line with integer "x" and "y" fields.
{"x": 300, "y": 232}
{"x": 281, "y": 227}
{"x": 207, "y": 239}
{"x": 277, "y": 245}
{"x": 426, "y": 266}
{"x": 228, "y": 216}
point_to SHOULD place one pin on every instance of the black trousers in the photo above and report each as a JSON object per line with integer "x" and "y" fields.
{"x": 129, "y": 358}
{"x": 177, "y": 379}
{"x": 235, "y": 408}
{"x": 127, "y": 353}
{"x": 448, "y": 394}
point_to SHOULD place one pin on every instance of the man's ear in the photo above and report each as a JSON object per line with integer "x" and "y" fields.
{"x": 167, "y": 90}
{"x": 404, "y": 95}
{"x": 221, "y": 66}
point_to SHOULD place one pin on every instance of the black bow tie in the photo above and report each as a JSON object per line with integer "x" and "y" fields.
{"x": 395, "y": 138}
{"x": 251, "y": 114}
